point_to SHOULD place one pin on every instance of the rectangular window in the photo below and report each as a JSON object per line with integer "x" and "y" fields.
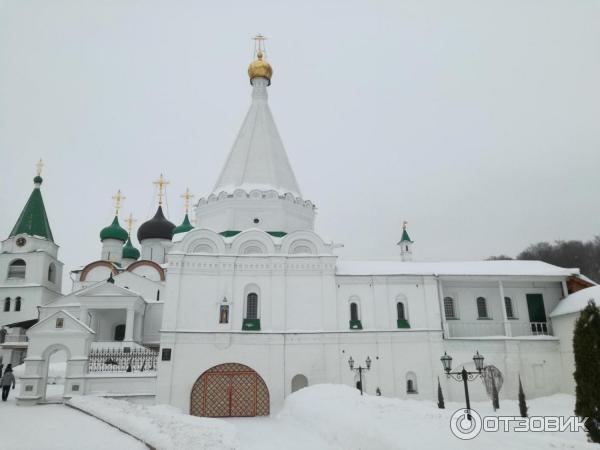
{"x": 449, "y": 310}
{"x": 166, "y": 354}
{"x": 60, "y": 322}
{"x": 482, "y": 312}
{"x": 510, "y": 313}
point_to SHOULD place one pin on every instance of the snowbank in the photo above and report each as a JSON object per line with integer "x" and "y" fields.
{"x": 334, "y": 417}
{"x": 343, "y": 420}
{"x": 577, "y": 302}
{"x": 163, "y": 427}
{"x": 495, "y": 268}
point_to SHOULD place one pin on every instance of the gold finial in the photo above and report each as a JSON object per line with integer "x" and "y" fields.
{"x": 259, "y": 45}
{"x": 259, "y": 68}
{"x": 161, "y": 183}
{"x": 187, "y": 196}
{"x": 404, "y": 225}
{"x": 130, "y": 221}
{"x": 118, "y": 198}
{"x": 39, "y": 166}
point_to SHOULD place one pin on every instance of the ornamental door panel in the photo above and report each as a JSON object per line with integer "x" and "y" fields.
{"x": 229, "y": 390}
{"x": 217, "y": 396}
{"x": 243, "y": 395}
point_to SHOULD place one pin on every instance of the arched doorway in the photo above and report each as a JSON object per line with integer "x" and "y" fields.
{"x": 55, "y": 359}
{"x": 229, "y": 390}
{"x": 119, "y": 332}
{"x": 298, "y": 382}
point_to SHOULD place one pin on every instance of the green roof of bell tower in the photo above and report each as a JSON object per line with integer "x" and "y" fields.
{"x": 405, "y": 237}
{"x": 33, "y": 219}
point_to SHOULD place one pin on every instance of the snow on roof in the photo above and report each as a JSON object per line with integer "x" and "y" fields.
{"x": 493, "y": 268}
{"x": 577, "y": 301}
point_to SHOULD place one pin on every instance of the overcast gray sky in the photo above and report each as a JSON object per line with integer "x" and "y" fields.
{"x": 476, "y": 121}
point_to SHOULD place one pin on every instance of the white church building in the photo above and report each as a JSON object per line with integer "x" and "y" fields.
{"x": 228, "y": 317}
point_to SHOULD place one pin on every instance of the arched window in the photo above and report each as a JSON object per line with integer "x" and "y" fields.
{"x": 354, "y": 311}
{"x": 510, "y": 312}
{"x": 251, "y": 321}
{"x": 482, "y": 311}
{"x": 298, "y": 382}
{"x": 18, "y": 304}
{"x": 449, "y": 309}
{"x": 400, "y": 311}
{"x": 52, "y": 273}
{"x": 17, "y": 269}
{"x": 411, "y": 383}
{"x": 7, "y": 304}
{"x": 252, "y": 306}
{"x": 355, "y": 323}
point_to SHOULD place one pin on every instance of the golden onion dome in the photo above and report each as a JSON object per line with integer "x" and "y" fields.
{"x": 260, "y": 68}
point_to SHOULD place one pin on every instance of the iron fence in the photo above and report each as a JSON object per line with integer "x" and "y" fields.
{"x": 121, "y": 360}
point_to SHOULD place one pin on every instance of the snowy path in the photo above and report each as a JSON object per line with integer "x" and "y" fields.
{"x": 57, "y": 427}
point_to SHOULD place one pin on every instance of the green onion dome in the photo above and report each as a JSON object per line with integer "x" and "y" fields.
{"x": 129, "y": 251}
{"x": 184, "y": 227}
{"x": 114, "y": 231}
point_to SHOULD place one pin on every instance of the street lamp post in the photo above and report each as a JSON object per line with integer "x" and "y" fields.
{"x": 463, "y": 375}
{"x": 360, "y": 369}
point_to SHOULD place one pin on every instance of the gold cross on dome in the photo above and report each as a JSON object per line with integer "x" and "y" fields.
{"x": 130, "y": 221}
{"x": 161, "y": 183}
{"x": 404, "y": 225}
{"x": 187, "y": 196}
{"x": 118, "y": 199}
{"x": 39, "y": 166}
{"x": 259, "y": 43}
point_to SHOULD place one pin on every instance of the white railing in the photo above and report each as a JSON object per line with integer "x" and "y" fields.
{"x": 530, "y": 329}
{"x": 15, "y": 338}
{"x": 459, "y": 328}
{"x": 117, "y": 345}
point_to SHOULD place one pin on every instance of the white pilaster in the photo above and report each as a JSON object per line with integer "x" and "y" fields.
{"x": 507, "y": 330}
{"x": 129, "y": 324}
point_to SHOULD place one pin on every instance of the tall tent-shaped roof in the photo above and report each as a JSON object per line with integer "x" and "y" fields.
{"x": 33, "y": 219}
{"x": 258, "y": 159}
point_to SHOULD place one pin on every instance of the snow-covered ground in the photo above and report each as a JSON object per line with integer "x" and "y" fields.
{"x": 57, "y": 427}
{"x": 334, "y": 417}
{"x": 321, "y": 417}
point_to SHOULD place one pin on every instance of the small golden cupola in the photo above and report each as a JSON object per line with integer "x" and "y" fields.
{"x": 259, "y": 68}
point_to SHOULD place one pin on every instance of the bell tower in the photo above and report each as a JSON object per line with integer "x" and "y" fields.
{"x": 405, "y": 244}
{"x": 30, "y": 272}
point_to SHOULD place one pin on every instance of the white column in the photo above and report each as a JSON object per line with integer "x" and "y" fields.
{"x": 565, "y": 290}
{"x": 507, "y": 330}
{"x": 129, "y": 324}
{"x": 138, "y": 327}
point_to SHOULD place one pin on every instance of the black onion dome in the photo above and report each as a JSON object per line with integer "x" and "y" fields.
{"x": 156, "y": 228}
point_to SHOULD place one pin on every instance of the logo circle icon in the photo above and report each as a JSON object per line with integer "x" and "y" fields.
{"x": 462, "y": 427}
